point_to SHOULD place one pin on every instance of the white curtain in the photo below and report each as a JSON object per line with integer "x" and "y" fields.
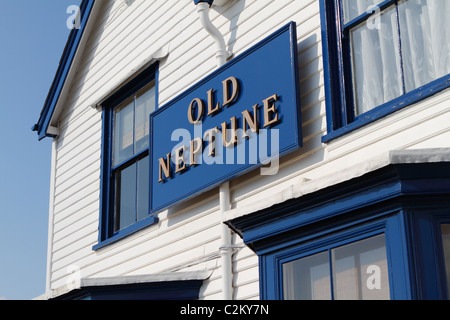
{"x": 425, "y": 29}
{"x": 377, "y": 67}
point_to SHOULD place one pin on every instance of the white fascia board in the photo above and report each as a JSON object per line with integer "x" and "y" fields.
{"x": 150, "y": 278}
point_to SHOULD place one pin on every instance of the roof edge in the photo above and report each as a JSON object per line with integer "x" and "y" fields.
{"x": 65, "y": 64}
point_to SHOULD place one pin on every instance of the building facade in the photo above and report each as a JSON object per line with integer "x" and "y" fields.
{"x": 348, "y": 199}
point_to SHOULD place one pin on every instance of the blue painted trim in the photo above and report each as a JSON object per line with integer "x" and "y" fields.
{"x": 104, "y": 229}
{"x": 332, "y": 241}
{"x": 428, "y": 279}
{"x": 399, "y": 270}
{"x": 366, "y": 15}
{"x": 134, "y": 85}
{"x": 140, "y": 154}
{"x": 327, "y": 41}
{"x": 374, "y": 219}
{"x": 335, "y": 239}
{"x": 374, "y": 188}
{"x": 63, "y": 71}
{"x": 106, "y": 235}
{"x": 338, "y": 90}
{"x": 310, "y": 212}
{"x": 390, "y": 107}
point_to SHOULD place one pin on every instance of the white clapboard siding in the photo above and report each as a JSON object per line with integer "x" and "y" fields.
{"x": 187, "y": 237}
{"x": 79, "y": 146}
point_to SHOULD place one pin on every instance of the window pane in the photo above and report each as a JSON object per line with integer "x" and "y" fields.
{"x": 125, "y": 197}
{"x": 145, "y": 104}
{"x": 355, "y": 8}
{"x": 123, "y": 132}
{"x": 360, "y": 270}
{"x": 142, "y": 188}
{"x": 307, "y": 278}
{"x": 425, "y": 32}
{"x": 376, "y": 66}
{"x": 445, "y": 231}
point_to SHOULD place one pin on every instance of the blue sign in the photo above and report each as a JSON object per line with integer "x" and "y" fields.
{"x": 243, "y": 116}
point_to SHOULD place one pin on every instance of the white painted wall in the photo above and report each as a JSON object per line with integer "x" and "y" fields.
{"x": 187, "y": 237}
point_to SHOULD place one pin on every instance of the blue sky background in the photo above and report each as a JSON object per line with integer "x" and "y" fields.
{"x": 33, "y": 34}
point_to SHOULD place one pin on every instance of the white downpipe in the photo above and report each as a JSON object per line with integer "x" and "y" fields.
{"x": 222, "y": 54}
{"x": 226, "y": 249}
{"x": 50, "y": 221}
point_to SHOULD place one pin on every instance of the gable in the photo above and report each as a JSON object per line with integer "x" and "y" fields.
{"x": 67, "y": 64}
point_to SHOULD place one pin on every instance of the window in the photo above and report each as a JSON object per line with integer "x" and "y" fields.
{"x": 125, "y": 158}
{"x": 382, "y": 55}
{"x": 130, "y": 157}
{"x": 355, "y": 271}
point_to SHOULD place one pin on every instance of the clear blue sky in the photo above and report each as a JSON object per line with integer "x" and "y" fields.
{"x": 33, "y": 34}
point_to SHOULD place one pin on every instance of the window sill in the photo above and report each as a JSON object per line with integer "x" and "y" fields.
{"x": 377, "y": 113}
{"x": 126, "y": 232}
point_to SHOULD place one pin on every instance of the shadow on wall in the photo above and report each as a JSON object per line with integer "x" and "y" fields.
{"x": 232, "y": 14}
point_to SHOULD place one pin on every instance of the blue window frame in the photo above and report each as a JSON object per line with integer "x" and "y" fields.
{"x": 125, "y": 158}
{"x": 354, "y": 269}
{"x": 445, "y": 242}
{"x": 351, "y": 261}
{"x": 162, "y": 290}
{"x": 381, "y": 56}
{"x": 406, "y": 255}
